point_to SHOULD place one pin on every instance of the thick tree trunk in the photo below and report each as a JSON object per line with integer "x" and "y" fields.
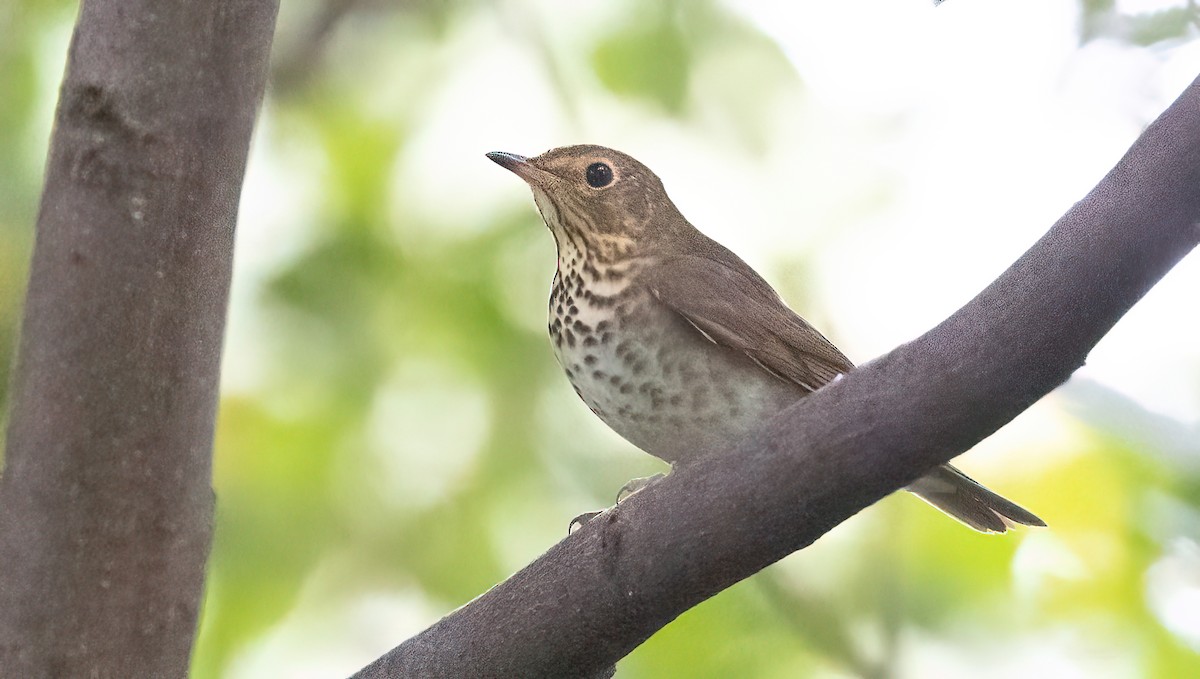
{"x": 105, "y": 503}
{"x": 598, "y": 594}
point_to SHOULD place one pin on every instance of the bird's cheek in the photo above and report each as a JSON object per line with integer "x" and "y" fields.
{"x": 636, "y": 216}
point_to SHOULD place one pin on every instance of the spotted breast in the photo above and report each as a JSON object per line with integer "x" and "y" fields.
{"x": 645, "y": 371}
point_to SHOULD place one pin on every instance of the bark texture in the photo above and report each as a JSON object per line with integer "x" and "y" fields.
{"x": 106, "y": 501}
{"x": 599, "y": 593}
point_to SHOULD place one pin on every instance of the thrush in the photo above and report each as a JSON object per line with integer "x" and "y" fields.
{"x": 670, "y": 338}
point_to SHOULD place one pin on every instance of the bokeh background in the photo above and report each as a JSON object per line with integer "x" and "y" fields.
{"x": 395, "y": 436}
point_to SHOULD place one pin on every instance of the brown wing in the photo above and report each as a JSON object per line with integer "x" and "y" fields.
{"x": 734, "y": 307}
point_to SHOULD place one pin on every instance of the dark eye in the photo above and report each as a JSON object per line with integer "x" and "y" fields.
{"x": 599, "y": 175}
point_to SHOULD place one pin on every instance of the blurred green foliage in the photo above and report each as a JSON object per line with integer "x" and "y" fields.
{"x": 646, "y": 58}
{"x": 332, "y": 494}
{"x": 1104, "y": 19}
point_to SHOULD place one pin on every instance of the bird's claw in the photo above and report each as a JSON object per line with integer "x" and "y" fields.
{"x": 577, "y": 522}
{"x": 634, "y": 485}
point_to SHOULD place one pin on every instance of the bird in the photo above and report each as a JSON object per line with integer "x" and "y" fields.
{"x": 670, "y": 338}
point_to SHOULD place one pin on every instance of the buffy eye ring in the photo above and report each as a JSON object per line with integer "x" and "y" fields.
{"x": 599, "y": 175}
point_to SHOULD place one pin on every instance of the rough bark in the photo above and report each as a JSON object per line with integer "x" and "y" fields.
{"x": 106, "y": 501}
{"x": 605, "y": 589}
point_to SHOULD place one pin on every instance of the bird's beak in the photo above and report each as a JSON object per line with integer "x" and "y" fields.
{"x": 520, "y": 166}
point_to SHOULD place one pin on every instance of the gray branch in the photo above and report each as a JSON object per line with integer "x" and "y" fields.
{"x": 105, "y": 503}
{"x": 599, "y": 593}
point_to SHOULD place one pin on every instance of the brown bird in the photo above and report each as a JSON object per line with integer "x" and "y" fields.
{"x": 673, "y": 340}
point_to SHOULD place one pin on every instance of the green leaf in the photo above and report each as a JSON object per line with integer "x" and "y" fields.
{"x": 647, "y": 62}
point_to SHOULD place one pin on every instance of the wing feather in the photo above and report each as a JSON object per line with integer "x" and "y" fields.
{"x": 731, "y": 305}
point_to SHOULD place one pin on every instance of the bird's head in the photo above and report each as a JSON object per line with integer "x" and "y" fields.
{"x": 594, "y": 198}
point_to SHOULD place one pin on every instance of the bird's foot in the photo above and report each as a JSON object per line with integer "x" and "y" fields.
{"x": 634, "y": 485}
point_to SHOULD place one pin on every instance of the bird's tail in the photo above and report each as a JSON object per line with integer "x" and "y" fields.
{"x": 963, "y": 499}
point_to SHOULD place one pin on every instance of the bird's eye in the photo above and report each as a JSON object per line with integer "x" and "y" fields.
{"x": 599, "y": 175}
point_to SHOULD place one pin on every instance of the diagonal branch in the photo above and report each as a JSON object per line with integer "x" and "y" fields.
{"x": 596, "y": 595}
{"x": 106, "y": 499}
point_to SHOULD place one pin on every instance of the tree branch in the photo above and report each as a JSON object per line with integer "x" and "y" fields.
{"x": 105, "y": 503}
{"x": 596, "y": 595}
